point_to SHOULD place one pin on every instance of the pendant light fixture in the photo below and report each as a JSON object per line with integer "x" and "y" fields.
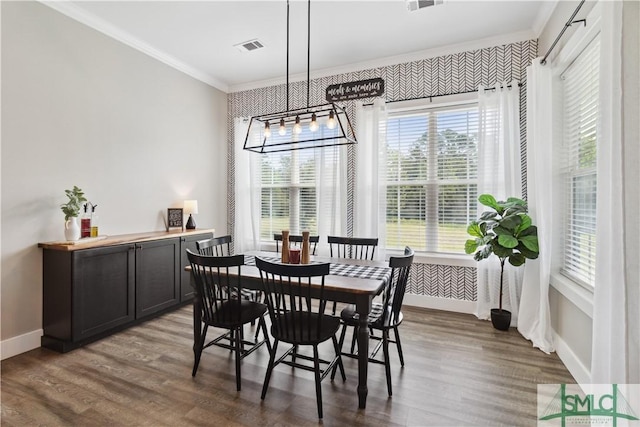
{"x": 310, "y": 127}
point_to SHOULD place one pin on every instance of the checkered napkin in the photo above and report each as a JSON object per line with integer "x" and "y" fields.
{"x": 347, "y": 270}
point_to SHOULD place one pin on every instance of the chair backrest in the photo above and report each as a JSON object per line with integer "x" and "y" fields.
{"x": 352, "y": 247}
{"x": 289, "y": 294}
{"x": 394, "y": 291}
{"x": 216, "y": 280}
{"x": 296, "y": 240}
{"x": 216, "y": 246}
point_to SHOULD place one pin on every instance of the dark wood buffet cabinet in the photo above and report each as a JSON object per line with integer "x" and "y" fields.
{"x": 95, "y": 288}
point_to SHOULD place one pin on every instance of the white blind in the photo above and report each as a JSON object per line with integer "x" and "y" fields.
{"x": 288, "y": 188}
{"x": 431, "y": 177}
{"x": 580, "y": 120}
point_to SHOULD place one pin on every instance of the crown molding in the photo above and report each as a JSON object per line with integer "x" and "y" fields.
{"x": 393, "y": 60}
{"x": 92, "y": 21}
{"x": 543, "y": 17}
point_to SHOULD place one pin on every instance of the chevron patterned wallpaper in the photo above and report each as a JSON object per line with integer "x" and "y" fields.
{"x": 442, "y": 75}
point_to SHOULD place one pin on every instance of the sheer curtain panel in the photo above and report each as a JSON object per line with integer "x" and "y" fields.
{"x": 534, "y": 322}
{"x": 499, "y": 174}
{"x": 370, "y": 198}
{"x": 246, "y": 225}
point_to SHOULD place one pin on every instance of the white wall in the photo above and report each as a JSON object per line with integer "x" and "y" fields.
{"x": 79, "y": 108}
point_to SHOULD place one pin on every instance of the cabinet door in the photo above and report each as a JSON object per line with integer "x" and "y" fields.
{"x": 103, "y": 289}
{"x": 157, "y": 276}
{"x": 188, "y": 242}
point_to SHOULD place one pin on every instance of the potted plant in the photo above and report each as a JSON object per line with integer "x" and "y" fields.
{"x": 71, "y": 210}
{"x": 507, "y": 232}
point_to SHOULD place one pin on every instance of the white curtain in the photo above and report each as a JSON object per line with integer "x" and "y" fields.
{"x": 370, "y": 198}
{"x": 331, "y": 178}
{"x": 246, "y": 224}
{"x": 499, "y": 174}
{"x": 609, "y": 360}
{"x": 534, "y": 321}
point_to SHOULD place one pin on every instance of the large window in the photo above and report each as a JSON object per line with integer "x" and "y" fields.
{"x": 431, "y": 177}
{"x": 580, "y": 118}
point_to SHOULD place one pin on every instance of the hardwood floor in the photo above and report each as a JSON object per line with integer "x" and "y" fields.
{"x": 458, "y": 371}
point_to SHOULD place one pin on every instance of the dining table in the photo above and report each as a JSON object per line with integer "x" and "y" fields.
{"x": 349, "y": 281}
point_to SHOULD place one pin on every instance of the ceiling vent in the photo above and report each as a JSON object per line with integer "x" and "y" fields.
{"x": 249, "y": 45}
{"x": 413, "y": 5}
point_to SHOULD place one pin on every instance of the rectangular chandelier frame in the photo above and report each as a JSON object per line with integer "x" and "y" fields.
{"x": 326, "y": 135}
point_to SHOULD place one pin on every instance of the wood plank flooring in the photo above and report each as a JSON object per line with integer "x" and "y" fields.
{"x": 459, "y": 371}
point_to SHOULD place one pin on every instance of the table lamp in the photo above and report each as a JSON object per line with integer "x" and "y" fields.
{"x": 191, "y": 207}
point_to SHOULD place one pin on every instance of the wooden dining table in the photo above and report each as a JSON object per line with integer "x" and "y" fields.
{"x": 350, "y": 281}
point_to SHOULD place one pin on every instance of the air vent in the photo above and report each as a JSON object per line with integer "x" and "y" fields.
{"x": 249, "y": 45}
{"x": 421, "y": 4}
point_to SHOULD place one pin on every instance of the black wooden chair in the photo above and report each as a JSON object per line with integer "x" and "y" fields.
{"x": 384, "y": 316}
{"x": 352, "y": 247}
{"x": 296, "y": 240}
{"x": 296, "y": 309}
{"x": 216, "y": 278}
{"x": 221, "y": 246}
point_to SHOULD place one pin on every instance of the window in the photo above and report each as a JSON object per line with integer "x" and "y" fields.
{"x": 580, "y": 118}
{"x": 290, "y": 187}
{"x": 431, "y": 177}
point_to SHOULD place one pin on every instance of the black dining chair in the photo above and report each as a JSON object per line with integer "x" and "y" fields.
{"x": 384, "y": 316}
{"x": 296, "y": 240}
{"x": 216, "y": 278}
{"x": 352, "y": 247}
{"x": 297, "y": 313}
{"x": 221, "y": 246}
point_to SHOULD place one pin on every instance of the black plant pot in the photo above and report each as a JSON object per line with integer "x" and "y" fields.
{"x": 501, "y": 320}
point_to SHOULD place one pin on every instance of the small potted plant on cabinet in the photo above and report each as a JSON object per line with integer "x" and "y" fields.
{"x": 507, "y": 232}
{"x": 71, "y": 210}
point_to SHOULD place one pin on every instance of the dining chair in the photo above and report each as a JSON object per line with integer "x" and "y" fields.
{"x": 224, "y": 308}
{"x": 352, "y": 247}
{"x": 384, "y": 316}
{"x": 297, "y": 313}
{"x": 297, "y": 242}
{"x": 221, "y": 246}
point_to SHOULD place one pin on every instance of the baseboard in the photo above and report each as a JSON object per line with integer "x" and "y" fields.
{"x": 20, "y": 344}
{"x": 447, "y": 304}
{"x": 576, "y": 368}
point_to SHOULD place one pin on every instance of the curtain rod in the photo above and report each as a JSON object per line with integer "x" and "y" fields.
{"x": 436, "y": 96}
{"x": 567, "y": 25}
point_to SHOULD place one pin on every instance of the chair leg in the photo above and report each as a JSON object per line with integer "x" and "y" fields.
{"x": 339, "y": 349}
{"x": 334, "y": 308}
{"x": 238, "y": 357}
{"x": 197, "y": 350}
{"x": 316, "y": 365}
{"x": 387, "y": 363}
{"x": 399, "y": 345}
{"x": 339, "y": 364}
{"x": 354, "y": 339}
{"x": 267, "y": 377}
{"x": 262, "y": 324}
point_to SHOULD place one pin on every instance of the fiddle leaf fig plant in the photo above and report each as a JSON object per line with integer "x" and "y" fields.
{"x": 72, "y": 207}
{"x": 505, "y": 231}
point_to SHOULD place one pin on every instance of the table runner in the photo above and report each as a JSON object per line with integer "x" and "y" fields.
{"x": 337, "y": 269}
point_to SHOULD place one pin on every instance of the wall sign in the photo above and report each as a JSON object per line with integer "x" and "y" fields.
{"x": 355, "y": 90}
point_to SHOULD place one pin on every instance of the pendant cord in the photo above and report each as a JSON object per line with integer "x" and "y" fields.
{"x": 287, "y": 55}
{"x": 308, "y": 47}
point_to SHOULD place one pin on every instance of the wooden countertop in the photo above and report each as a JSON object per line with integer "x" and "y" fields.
{"x": 102, "y": 241}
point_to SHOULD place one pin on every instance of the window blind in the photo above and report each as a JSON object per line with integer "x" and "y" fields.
{"x": 580, "y": 122}
{"x": 431, "y": 177}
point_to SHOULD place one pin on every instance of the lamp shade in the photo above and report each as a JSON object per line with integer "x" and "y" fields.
{"x": 190, "y": 206}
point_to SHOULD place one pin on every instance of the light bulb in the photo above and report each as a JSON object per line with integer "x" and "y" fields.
{"x": 297, "y": 128}
{"x": 313, "y": 126}
{"x": 283, "y": 130}
{"x": 331, "y": 121}
{"x": 267, "y": 130}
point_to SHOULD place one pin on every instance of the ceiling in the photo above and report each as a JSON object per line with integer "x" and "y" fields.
{"x": 198, "y": 37}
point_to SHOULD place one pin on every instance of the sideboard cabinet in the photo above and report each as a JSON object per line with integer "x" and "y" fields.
{"x": 92, "y": 289}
